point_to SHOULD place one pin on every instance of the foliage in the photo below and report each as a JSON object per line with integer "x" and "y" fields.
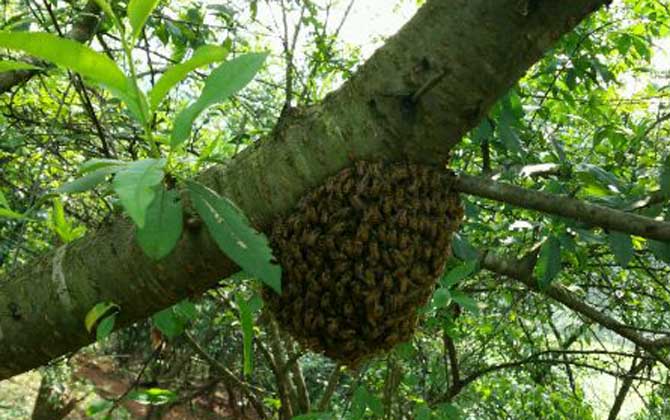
{"x": 169, "y": 89}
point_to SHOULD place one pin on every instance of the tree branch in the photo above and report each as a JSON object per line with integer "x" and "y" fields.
{"x": 522, "y": 271}
{"x": 369, "y": 117}
{"x": 557, "y": 205}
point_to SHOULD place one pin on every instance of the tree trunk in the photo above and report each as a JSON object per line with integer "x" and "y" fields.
{"x": 413, "y": 99}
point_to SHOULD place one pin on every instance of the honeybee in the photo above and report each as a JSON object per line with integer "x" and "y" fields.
{"x": 392, "y": 238}
{"x": 295, "y": 224}
{"x": 398, "y": 258}
{"x": 372, "y": 215}
{"x": 401, "y": 218}
{"x": 418, "y": 274}
{"x": 369, "y": 278}
{"x": 381, "y": 233}
{"x": 314, "y": 259}
{"x": 341, "y": 266}
{"x": 387, "y": 206}
{"x": 386, "y": 258}
{"x": 337, "y": 228}
{"x": 404, "y": 240}
{"x": 356, "y": 202}
{"x": 373, "y": 251}
{"x": 391, "y": 339}
{"x": 376, "y": 188}
{"x": 414, "y": 223}
{"x": 363, "y": 232}
{"x": 311, "y": 216}
{"x": 357, "y": 248}
{"x": 359, "y": 270}
{"x": 387, "y": 282}
{"x": 400, "y": 172}
{"x": 347, "y": 186}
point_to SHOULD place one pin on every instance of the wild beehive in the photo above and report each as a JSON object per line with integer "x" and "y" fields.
{"x": 360, "y": 254}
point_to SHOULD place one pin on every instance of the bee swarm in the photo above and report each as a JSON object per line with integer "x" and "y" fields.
{"x": 360, "y": 254}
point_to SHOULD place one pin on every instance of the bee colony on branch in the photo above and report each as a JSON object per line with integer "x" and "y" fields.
{"x": 360, "y": 254}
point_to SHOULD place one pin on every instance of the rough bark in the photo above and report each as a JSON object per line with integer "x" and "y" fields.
{"x": 591, "y": 214}
{"x": 414, "y": 99}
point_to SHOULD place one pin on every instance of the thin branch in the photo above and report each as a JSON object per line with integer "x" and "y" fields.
{"x": 522, "y": 271}
{"x": 333, "y": 380}
{"x": 563, "y": 206}
{"x": 635, "y": 369}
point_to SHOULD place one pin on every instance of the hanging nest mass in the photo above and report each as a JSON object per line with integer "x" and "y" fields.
{"x": 360, "y": 255}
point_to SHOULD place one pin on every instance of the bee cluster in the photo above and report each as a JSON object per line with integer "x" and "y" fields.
{"x": 360, "y": 254}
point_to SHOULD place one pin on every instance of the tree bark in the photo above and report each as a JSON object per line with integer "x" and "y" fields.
{"x": 591, "y": 214}
{"x": 413, "y": 100}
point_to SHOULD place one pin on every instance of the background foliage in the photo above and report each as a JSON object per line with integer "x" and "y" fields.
{"x": 590, "y": 121}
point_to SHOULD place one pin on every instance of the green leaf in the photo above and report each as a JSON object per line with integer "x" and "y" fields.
{"x": 107, "y": 9}
{"x": 235, "y": 236}
{"x": 163, "y": 226}
{"x": 168, "y": 322}
{"x": 95, "y": 164}
{"x": 661, "y": 250}
{"x": 105, "y": 327}
{"x": 152, "y": 396}
{"x": 136, "y": 186}
{"x": 9, "y": 214}
{"x": 483, "y": 131}
{"x": 375, "y": 405}
{"x": 68, "y": 54}
{"x": 358, "y": 403}
{"x": 203, "y": 56}
{"x": 441, "y": 298}
{"x": 224, "y": 81}
{"x": 97, "y": 407}
{"x": 185, "y": 310}
{"x": 507, "y": 131}
{"x": 88, "y": 181}
{"x": 621, "y": 245}
{"x": 99, "y": 311}
{"x": 446, "y": 411}
{"x": 61, "y": 225}
{"x": 665, "y": 177}
{"x": 465, "y": 301}
{"x": 9, "y": 65}
{"x": 247, "y": 323}
{"x": 314, "y": 416}
{"x": 458, "y": 273}
{"x": 138, "y": 13}
{"x": 549, "y": 262}
{"x": 3, "y": 200}
{"x": 594, "y": 175}
{"x": 462, "y": 248}
{"x": 173, "y": 320}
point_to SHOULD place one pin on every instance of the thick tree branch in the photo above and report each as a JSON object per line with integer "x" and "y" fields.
{"x": 482, "y": 46}
{"x": 591, "y": 214}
